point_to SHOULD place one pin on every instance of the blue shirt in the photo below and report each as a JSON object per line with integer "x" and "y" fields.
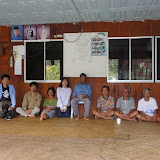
{"x": 17, "y": 37}
{"x": 82, "y": 89}
{"x": 12, "y": 94}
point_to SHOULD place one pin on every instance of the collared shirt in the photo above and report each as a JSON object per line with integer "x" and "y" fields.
{"x": 147, "y": 107}
{"x": 12, "y": 94}
{"x": 105, "y": 104}
{"x": 17, "y": 37}
{"x": 125, "y": 106}
{"x": 63, "y": 95}
{"x": 82, "y": 89}
{"x": 31, "y": 102}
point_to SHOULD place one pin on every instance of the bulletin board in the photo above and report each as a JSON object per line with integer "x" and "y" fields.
{"x": 85, "y": 53}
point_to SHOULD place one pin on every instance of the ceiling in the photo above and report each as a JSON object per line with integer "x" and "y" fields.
{"x": 16, "y": 12}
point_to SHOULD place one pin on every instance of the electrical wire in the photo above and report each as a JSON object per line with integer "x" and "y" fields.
{"x": 81, "y": 19}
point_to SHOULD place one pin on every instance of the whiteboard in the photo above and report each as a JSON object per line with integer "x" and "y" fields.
{"x": 77, "y": 57}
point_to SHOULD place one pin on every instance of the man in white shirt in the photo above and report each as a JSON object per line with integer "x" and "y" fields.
{"x": 147, "y": 107}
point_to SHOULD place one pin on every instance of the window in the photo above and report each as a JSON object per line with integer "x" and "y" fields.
{"x": 119, "y": 59}
{"x": 44, "y": 61}
{"x": 131, "y": 59}
{"x": 141, "y": 53}
{"x": 157, "y": 58}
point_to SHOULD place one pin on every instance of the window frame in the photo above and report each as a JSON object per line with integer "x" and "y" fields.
{"x": 156, "y": 80}
{"x": 40, "y": 81}
{"x": 130, "y": 61}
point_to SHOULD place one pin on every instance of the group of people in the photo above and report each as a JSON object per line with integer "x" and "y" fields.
{"x": 147, "y": 109}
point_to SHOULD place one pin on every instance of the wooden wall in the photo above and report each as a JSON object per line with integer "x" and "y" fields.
{"x": 125, "y": 29}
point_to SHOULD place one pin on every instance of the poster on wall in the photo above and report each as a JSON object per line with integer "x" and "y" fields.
{"x": 16, "y": 33}
{"x": 99, "y": 44}
{"x": 43, "y": 31}
{"x": 77, "y": 55}
{"x": 18, "y": 52}
{"x": 29, "y": 32}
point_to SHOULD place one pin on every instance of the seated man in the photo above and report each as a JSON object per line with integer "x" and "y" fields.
{"x": 147, "y": 107}
{"x": 105, "y": 106}
{"x": 7, "y": 98}
{"x": 82, "y": 92}
{"x": 125, "y": 108}
{"x": 31, "y": 102}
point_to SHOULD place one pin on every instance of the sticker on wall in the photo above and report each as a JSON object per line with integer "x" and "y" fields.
{"x": 43, "y": 31}
{"x": 16, "y": 33}
{"x": 99, "y": 44}
{"x": 30, "y": 32}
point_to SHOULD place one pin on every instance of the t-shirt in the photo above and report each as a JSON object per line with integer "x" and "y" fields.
{"x": 5, "y": 100}
{"x": 147, "y": 107}
{"x": 50, "y": 102}
{"x": 105, "y": 104}
{"x": 125, "y": 106}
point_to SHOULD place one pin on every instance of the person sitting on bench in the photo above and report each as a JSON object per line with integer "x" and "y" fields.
{"x": 82, "y": 92}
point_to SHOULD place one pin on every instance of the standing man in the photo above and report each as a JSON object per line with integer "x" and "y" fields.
{"x": 31, "y": 102}
{"x": 105, "y": 105}
{"x": 125, "y": 108}
{"x": 82, "y": 92}
{"x": 7, "y": 98}
{"x": 147, "y": 107}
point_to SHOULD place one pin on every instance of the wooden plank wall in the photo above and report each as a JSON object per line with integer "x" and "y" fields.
{"x": 125, "y": 29}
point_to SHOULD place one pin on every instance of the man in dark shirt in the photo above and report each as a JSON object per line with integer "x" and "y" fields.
{"x": 7, "y": 98}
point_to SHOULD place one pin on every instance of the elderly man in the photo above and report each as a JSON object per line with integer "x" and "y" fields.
{"x": 105, "y": 105}
{"x": 125, "y": 107}
{"x": 82, "y": 92}
{"x": 147, "y": 107}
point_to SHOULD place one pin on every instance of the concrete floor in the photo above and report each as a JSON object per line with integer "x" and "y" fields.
{"x": 68, "y": 139}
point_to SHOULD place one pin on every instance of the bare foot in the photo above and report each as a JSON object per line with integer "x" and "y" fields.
{"x": 107, "y": 117}
{"x": 86, "y": 118}
{"x": 21, "y": 116}
{"x": 41, "y": 118}
{"x": 77, "y": 118}
{"x": 30, "y": 115}
{"x": 96, "y": 117}
{"x": 130, "y": 119}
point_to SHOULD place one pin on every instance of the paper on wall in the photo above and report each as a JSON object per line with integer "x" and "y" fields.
{"x": 18, "y": 52}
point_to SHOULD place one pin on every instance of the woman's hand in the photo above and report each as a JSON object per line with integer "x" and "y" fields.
{"x": 64, "y": 108}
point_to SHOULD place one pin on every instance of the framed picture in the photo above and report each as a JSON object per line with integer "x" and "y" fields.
{"x": 16, "y": 33}
{"x": 43, "y": 31}
{"x": 30, "y": 32}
